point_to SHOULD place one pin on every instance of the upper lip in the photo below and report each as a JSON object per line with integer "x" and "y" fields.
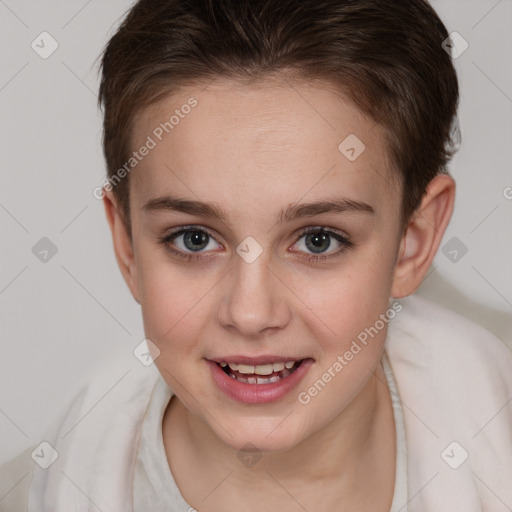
{"x": 256, "y": 360}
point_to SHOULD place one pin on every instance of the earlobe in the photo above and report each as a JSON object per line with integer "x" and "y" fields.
{"x": 423, "y": 236}
{"x": 123, "y": 246}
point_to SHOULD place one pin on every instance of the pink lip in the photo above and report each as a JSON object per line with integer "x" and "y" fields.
{"x": 257, "y": 393}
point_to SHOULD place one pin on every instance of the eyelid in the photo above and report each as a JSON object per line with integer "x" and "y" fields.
{"x": 324, "y": 229}
{"x": 341, "y": 237}
{"x": 167, "y": 239}
{"x": 190, "y": 227}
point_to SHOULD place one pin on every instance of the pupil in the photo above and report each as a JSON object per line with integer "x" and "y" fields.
{"x": 198, "y": 240}
{"x": 317, "y": 240}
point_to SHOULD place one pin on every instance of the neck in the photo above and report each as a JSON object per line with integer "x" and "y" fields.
{"x": 346, "y": 452}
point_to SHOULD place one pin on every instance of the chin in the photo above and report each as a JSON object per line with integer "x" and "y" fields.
{"x": 271, "y": 435}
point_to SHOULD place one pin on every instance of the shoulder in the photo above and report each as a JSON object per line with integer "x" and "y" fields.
{"x": 15, "y": 479}
{"x": 93, "y": 431}
{"x": 424, "y": 331}
{"x": 454, "y": 379}
{"x": 456, "y": 370}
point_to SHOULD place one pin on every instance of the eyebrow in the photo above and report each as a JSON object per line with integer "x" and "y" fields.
{"x": 291, "y": 212}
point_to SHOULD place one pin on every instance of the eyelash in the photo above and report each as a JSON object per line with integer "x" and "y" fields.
{"x": 167, "y": 239}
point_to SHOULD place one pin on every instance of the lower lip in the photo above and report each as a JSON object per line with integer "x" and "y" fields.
{"x": 258, "y": 393}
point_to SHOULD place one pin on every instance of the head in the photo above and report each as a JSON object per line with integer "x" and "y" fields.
{"x": 305, "y": 145}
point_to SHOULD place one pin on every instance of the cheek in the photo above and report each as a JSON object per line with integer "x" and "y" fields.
{"x": 352, "y": 297}
{"x": 172, "y": 300}
{"x": 350, "y": 323}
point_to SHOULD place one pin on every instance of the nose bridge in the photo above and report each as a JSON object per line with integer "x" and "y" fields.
{"x": 253, "y": 299}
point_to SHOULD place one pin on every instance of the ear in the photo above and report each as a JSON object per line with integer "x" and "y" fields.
{"x": 423, "y": 236}
{"x": 123, "y": 246}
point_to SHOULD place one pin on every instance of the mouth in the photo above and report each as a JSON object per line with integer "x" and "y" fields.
{"x": 258, "y": 380}
{"x": 260, "y": 374}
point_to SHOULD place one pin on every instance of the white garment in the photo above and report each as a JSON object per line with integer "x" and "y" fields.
{"x": 155, "y": 488}
{"x": 455, "y": 384}
{"x": 400, "y": 498}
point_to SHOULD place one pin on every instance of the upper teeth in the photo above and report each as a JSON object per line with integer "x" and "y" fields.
{"x": 259, "y": 369}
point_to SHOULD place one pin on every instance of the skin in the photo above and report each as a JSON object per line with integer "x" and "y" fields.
{"x": 253, "y": 150}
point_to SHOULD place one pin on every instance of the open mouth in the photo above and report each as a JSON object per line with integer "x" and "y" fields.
{"x": 265, "y": 382}
{"x": 268, "y": 373}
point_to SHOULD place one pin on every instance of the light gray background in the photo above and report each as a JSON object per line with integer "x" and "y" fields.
{"x": 62, "y": 319}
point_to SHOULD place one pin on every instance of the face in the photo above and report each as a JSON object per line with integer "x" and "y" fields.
{"x": 260, "y": 243}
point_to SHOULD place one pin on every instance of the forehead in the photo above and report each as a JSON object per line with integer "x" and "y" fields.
{"x": 274, "y": 139}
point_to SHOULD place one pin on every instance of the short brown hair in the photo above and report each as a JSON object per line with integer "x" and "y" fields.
{"x": 385, "y": 55}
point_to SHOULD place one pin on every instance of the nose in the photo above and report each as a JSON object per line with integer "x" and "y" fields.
{"x": 254, "y": 299}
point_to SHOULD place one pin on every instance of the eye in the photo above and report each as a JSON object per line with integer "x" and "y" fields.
{"x": 188, "y": 240}
{"x": 190, "y": 243}
{"x": 318, "y": 240}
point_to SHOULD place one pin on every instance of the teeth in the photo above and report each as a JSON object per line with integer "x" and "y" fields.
{"x": 264, "y": 369}
{"x": 258, "y": 380}
{"x": 260, "y": 369}
{"x": 278, "y": 367}
{"x": 261, "y": 380}
{"x": 244, "y": 368}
